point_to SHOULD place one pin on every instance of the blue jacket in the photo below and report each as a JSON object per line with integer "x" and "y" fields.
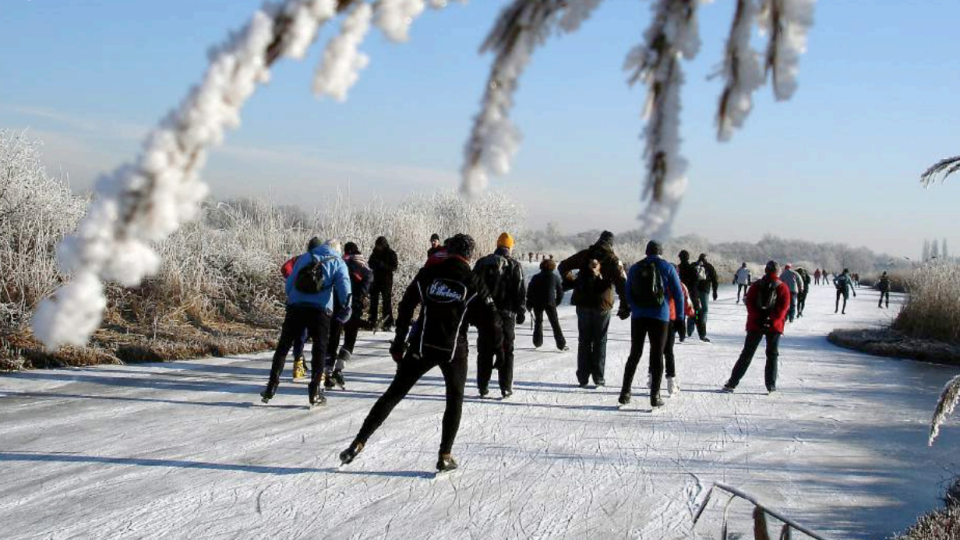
{"x": 335, "y": 297}
{"x": 671, "y": 289}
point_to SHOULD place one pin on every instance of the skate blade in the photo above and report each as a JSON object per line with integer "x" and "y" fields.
{"x": 439, "y": 475}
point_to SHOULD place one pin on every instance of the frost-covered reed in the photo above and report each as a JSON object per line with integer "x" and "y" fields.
{"x": 932, "y": 308}
{"x": 945, "y": 406}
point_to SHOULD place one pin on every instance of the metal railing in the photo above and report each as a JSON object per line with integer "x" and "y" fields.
{"x": 759, "y": 512}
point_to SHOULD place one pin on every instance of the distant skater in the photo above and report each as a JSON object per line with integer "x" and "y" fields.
{"x": 544, "y": 294}
{"x": 844, "y": 286}
{"x": 794, "y": 282}
{"x": 503, "y": 277}
{"x": 884, "y": 285}
{"x": 802, "y": 294}
{"x": 816, "y": 277}
{"x": 742, "y": 280}
{"x": 768, "y": 302}
{"x": 383, "y": 261}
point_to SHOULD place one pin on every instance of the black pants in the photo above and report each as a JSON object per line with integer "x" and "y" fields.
{"x": 592, "y": 324}
{"x": 884, "y": 294}
{"x": 639, "y": 330}
{"x": 551, "y": 312}
{"x": 801, "y": 302}
{"x": 486, "y": 355}
{"x": 701, "y": 305}
{"x": 409, "y": 371}
{"x": 750, "y": 345}
{"x": 299, "y": 318}
{"x": 741, "y": 288}
{"x": 349, "y": 330}
{"x": 383, "y": 290}
{"x": 837, "y": 306}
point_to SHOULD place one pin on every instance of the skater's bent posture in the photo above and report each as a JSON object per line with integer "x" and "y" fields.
{"x": 450, "y": 297}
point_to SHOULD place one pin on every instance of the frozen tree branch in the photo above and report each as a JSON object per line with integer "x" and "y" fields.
{"x": 942, "y": 168}
{"x": 945, "y": 405}
{"x": 786, "y": 23}
{"x": 742, "y": 73}
{"x": 522, "y": 26}
{"x": 342, "y": 61}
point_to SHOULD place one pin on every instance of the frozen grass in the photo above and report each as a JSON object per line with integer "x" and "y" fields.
{"x": 940, "y": 524}
{"x": 218, "y": 289}
{"x": 932, "y": 309}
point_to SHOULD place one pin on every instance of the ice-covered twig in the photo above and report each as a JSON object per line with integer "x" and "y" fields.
{"x": 942, "y": 168}
{"x": 656, "y": 63}
{"x": 742, "y": 72}
{"x": 521, "y": 27}
{"x": 945, "y": 406}
{"x": 342, "y": 61}
{"x": 786, "y": 23}
{"x": 148, "y": 200}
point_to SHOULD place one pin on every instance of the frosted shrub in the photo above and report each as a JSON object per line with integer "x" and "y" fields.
{"x": 932, "y": 308}
{"x": 36, "y": 210}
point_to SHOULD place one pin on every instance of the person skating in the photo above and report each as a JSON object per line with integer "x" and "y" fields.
{"x": 449, "y": 295}
{"x": 299, "y": 364}
{"x": 884, "y": 285}
{"x": 503, "y": 277}
{"x": 593, "y": 297}
{"x": 856, "y": 280}
{"x": 844, "y": 286}
{"x": 742, "y": 280}
{"x": 816, "y": 277}
{"x": 652, "y": 284}
{"x": 699, "y": 277}
{"x": 383, "y": 262}
{"x": 794, "y": 282}
{"x": 544, "y": 294}
{"x": 435, "y": 245}
{"x": 767, "y": 301}
{"x": 802, "y": 294}
{"x": 361, "y": 278}
{"x": 318, "y": 290}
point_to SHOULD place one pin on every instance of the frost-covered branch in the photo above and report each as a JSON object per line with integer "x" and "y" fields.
{"x": 147, "y": 200}
{"x": 945, "y": 406}
{"x": 786, "y": 23}
{"x": 342, "y": 61}
{"x": 942, "y": 168}
{"x": 742, "y": 73}
{"x": 656, "y": 63}
{"x": 522, "y": 26}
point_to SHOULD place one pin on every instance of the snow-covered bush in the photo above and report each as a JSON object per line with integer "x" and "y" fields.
{"x": 36, "y": 211}
{"x": 932, "y": 308}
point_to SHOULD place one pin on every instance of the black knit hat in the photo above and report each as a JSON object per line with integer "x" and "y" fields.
{"x": 462, "y": 245}
{"x": 606, "y": 237}
{"x": 351, "y": 248}
{"x": 314, "y": 243}
{"x": 654, "y": 248}
{"x": 434, "y": 236}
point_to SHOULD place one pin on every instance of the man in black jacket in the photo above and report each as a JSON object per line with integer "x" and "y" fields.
{"x": 383, "y": 262}
{"x": 593, "y": 296}
{"x": 503, "y": 277}
{"x": 361, "y": 278}
{"x": 449, "y": 295}
{"x": 699, "y": 277}
{"x": 544, "y": 294}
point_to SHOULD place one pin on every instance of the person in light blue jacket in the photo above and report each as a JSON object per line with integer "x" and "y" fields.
{"x": 318, "y": 290}
{"x": 651, "y": 285}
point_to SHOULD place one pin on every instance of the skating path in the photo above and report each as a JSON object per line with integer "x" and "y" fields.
{"x": 176, "y": 450}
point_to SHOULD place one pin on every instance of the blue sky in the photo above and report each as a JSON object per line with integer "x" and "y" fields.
{"x": 879, "y": 100}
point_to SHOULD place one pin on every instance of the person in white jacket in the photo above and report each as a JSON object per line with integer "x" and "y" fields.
{"x": 795, "y": 283}
{"x": 742, "y": 280}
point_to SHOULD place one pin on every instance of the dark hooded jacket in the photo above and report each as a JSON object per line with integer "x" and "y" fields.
{"x": 595, "y": 293}
{"x": 545, "y": 288}
{"x": 383, "y": 262}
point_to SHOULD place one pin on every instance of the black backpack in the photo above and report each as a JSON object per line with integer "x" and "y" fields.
{"x": 767, "y": 296}
{"x": 841, "y": 282}
{"x": 313, "y": 278}
{"x": 646, "y": 286}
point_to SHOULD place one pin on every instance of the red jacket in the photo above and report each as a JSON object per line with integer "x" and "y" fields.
{"x": 687, "y": 304}
{"x": 754, "y": 314}
{"x": 287, "y": 267}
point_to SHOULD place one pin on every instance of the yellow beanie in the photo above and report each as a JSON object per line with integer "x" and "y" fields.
{"x": 505, "y": 240}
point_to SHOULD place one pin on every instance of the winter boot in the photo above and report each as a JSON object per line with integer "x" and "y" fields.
{"x": 388, "y": 323}
{"x": 484, "y": 392}
{"x": 673, "y": 387}
{"x": 269, "y": 392}
{"x": 446, "y": 463}
{"x": 705, "y": 339}
{"x": 506, "y": 393}
{"x": 299, "y": 369}
{"x": 348, "y": 455}
{"x": 328, "y": 382}
{"x": 624, "y": 398}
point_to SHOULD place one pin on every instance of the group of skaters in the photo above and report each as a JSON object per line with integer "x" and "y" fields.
{"x": 330, "y": 286}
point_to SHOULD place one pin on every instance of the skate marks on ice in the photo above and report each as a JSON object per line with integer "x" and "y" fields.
{"x": 176, "y": 449}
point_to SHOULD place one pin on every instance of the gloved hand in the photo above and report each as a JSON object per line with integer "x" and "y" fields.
{"x": 397, "y": 348}
{"x": 521, "y": 316}
{"x": 624, "y": 312}
{"x": 680, "y": 327}
{"x": 342, "y": 314}
{"x": 714, "y": 296}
